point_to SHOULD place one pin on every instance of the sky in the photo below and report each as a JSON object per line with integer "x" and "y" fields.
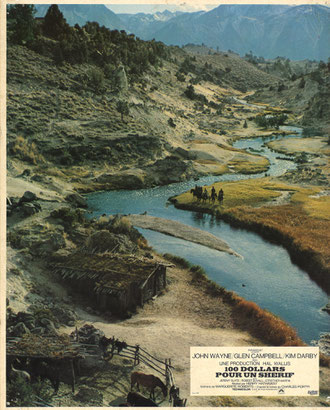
{"x": 153, "y": 8}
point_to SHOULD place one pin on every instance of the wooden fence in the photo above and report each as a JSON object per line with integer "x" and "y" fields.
{"x": 80, "y": 348}
{"x": 140, "y": 355}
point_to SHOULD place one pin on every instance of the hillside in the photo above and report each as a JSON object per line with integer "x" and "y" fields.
{"x": 89, "y": 109}
{"x": 80, "y": 126}
{"x": 307, "y": 95}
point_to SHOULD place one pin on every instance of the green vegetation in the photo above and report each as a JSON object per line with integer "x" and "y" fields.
{"x": 55, "y": 25}
{"x": 201, "y": 99}
{"x": 88, "y": 44}
{"x": 198, "y": 272}
{"x": 180, "y": 77}
{"x": 21, "y": 23}
{"x": 270, "y": 121}
{"x": 122, "y": 108}
{"x": 183, "y": 263}
{"x": 21, "y": 393}
{"x": 301, "y": 158}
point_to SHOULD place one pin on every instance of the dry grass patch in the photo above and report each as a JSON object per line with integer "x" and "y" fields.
{"x": 315, "y": 206}
{"x": 25, "y": 151}
{"x": 302, "y": 226}
{"x": 256, "y": 192}
{"x": 248, "y": 192}
{"x": 318, "y": 208}
{"x": 306, "y": 237}
{"x": 211, "y": 166}
{"x": 267, "y": 326}
{"x": 249, "y": 167}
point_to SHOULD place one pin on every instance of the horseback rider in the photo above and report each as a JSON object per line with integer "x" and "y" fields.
{"x": 220, "y": 196}
{"x": 213, "y": 194}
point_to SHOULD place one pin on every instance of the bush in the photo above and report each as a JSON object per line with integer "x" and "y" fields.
{"x": 171, "y": 123}
{"x": 316, "y": 76}
{"x": 301, "y": 158}
{"x": 192, "y": 95}
{"x": 190, "y": 92}
{"x": 273, "y": 121}
{"x": 121, "y": 224}
{"x": 198, "y": 272}
{"x": 180, "y": 77}
{"x": 25, "y": 151}
{"x": 122, "y": 108}
{"x": 68, "y": 216}
{"x": 183, "y": 263}
{"x": 23, "y": 394}
{"x": 96, "y": 79}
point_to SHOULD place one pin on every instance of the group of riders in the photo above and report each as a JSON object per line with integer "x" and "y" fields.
{"x": 203, "y": 195}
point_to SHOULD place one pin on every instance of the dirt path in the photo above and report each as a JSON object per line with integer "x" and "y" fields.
{"x": 167, "y": 327}
{"x": 180, "y": 230}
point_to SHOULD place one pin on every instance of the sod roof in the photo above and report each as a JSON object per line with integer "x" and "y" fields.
{"x": 55, "y": 347}
{"x": 111, "y": 273}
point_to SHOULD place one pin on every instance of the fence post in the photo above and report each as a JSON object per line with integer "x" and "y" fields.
{"x": 167, "y": 374}
{"x": 136, "y": 355}
{"x": 73, "y": 379}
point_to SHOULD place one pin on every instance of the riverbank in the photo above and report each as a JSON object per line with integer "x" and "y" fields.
{"x": 293, "y": 216}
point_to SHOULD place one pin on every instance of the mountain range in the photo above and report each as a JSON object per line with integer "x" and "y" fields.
{"x": 295, "y": 32}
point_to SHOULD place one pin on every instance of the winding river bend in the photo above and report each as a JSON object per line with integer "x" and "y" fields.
{"x": 266, "y": 275}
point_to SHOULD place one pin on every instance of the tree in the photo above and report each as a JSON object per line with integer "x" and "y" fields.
{"x": 55, "y": 24}
{"x": 245, "y": 124}
{"x": 21, "y": 23}
{"x": 122, "y": 108}
{"x": 190, "y": 92}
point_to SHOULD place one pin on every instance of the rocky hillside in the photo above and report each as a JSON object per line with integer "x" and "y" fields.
{"x": 82, "y": 123}
{"x": 307, "y": 95}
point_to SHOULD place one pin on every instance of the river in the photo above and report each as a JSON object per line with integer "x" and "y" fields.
{"x": 266, "y": 275}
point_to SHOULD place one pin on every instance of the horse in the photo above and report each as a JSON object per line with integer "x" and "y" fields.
{"x": 174, "y": 393}
{"x": 197, "y": 192}
{"x": 44, "y": 369}
{"x": 148, "y": 380}
{"x": 179, "y": 402}
{"x": 120, "y": 345}
{"x": 205, "y": 195}
{"x": 137, "y": 400}
{"x": 220, "y": 196}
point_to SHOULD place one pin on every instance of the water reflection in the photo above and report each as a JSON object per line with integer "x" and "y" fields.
{"x": 199, "y": 218}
